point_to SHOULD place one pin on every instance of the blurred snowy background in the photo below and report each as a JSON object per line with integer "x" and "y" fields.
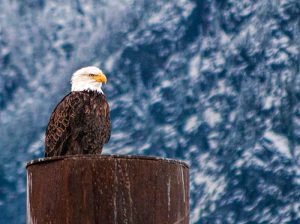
{"x": 213, "y": 82}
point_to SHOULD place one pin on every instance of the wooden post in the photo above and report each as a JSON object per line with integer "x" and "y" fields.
{"x": 107, "y": 189}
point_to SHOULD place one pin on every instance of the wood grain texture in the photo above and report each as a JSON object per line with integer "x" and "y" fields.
{"x": 108, "y": 189}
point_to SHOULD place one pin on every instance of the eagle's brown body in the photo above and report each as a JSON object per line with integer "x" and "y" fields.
{"x": 80, "y": 124}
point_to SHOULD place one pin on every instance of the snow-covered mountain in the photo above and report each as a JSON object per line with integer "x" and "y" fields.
{"x": 213, "y": 82}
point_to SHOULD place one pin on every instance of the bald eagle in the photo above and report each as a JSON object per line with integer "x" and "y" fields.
{"x": 80, "y": 123}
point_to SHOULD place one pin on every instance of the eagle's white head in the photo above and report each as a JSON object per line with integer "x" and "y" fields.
{"x": 88, "y": 78}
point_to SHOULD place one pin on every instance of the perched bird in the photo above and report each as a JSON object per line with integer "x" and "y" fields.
{"x": 80, "y": 123}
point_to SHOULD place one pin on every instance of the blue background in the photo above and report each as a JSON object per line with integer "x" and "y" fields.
{"x": 215, "y": 83}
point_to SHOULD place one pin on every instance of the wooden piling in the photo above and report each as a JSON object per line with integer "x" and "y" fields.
{"x": 107, "y": 189}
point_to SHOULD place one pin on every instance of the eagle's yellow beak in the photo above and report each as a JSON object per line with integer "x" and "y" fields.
{"x": 100, "y": 78}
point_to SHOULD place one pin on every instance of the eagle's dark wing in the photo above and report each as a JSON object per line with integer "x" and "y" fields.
{"x": 80, "y": 124}
{"x": 105, "y": 115}
{"x": 59, "y": 128}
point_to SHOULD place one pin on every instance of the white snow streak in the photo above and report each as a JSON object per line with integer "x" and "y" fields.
{"x": 280, "y": 142}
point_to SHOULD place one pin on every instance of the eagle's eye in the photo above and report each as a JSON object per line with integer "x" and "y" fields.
{"x": 91, "y": 75}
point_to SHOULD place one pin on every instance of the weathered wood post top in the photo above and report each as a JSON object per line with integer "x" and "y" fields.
{"x": 107, "y": 189}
